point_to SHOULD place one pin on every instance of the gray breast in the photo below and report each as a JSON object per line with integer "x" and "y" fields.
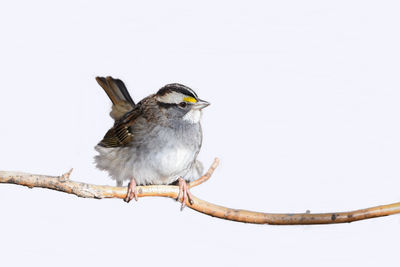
{"x": 165, "y": 154}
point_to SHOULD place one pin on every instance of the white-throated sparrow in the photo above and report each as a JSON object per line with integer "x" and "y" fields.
{"x": 155, "y": 141}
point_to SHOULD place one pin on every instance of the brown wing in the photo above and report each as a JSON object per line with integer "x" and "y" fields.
{"x": 120, "y": 134}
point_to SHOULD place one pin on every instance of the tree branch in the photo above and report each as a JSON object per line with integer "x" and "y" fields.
{"x": 63, "y": 184}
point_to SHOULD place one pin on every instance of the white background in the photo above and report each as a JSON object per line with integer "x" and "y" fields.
{"x": 305, "y": 115}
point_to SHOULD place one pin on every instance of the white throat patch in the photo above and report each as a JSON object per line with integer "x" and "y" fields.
{"x": 193, "y": 116}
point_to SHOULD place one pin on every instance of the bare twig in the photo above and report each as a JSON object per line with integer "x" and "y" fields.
{"x": 207, "y": 175}
{"x": 98, "y": 191}
{"x": 65, "y": 177}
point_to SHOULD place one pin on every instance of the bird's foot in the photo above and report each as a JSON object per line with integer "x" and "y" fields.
{"x": 184, "y": 193}
{"x": 132, "y": 191}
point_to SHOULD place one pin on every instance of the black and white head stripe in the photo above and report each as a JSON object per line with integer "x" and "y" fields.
{"x": 175, "y": 93}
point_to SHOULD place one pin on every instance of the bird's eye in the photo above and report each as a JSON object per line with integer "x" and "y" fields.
{"x": 183, "y": 104}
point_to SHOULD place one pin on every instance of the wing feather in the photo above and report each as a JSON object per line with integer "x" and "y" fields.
{"x": 120, "y": 135}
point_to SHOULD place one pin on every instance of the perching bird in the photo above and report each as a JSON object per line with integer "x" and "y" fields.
{"x": 155, "y": 141}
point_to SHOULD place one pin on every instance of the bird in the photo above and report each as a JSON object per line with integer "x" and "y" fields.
{"x": 153, "y": 142}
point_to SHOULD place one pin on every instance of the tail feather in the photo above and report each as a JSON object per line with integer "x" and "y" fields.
{"x": 120, "y": 87}
{"x": 118, "y": 94}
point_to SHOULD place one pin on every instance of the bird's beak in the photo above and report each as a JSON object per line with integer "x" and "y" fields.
{"x": 200, "y": 104}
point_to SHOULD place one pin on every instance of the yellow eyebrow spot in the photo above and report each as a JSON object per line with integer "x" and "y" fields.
{"x": 190, "y": 99}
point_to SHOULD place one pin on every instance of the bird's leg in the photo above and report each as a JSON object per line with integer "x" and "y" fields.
{"x": 184, "y": 193}
{"x": 132, "y": 191}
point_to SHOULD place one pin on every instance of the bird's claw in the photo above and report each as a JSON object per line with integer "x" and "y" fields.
{"x": 132, "y": 191}
{"x": 184, "y": 193}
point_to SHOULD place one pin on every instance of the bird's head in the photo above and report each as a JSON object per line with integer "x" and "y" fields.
{"x": 181, "y": 102}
